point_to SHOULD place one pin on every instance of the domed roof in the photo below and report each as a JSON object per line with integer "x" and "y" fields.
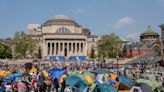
{"x": 60, "y": 17}
{"x": 60, "y": 20}
{"x": 149, "y": 31}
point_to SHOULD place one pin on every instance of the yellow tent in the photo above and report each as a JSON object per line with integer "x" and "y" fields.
{"x": 2, "y": 73}
{"x": 112, "y": 76}
{"x": 126, "y": 88}
{"x": 61, "y": 79}
{"x": 45, "y": 73}
{"x": 33, "y": 70}
{"x": 7, "y": 73}
{"x": 88, "y": 79}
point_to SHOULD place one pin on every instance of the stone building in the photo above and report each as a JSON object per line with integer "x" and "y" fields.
{"x": 62, "y": 36}
{"x": 162, "y": 41}
{"x": 149, "y": 41}
{"x": 149, "y": 37}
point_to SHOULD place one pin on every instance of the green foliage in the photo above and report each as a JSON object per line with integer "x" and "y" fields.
{"x": 24, "y": 45}
{"x": 5, "y": 51}
{"x": 109, "y": 46}
{"x": 92, "y": 54}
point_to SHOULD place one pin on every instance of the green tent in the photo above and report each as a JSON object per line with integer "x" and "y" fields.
{"x": 152, "y": 83}
{"x": 75, "y": 81}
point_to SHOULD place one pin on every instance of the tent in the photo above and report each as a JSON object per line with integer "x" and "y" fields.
{"x": 144, "y": 87}
{"x": 2, "y": 73}
{"x": 88, "y": 79}
{"x": 61, "y": 79}
{"x": 104, "y": 88}
{"x": 13, "y": 76}
{"x": 33, "y": 70}
{"x": 75, "y": 81}
{"x": 112, "y": 76}
{"x": 159, "y": 89}
{"x": 152, "y": 83}
{"x": 51, "y": 71}
{"x": 125, "y": 80}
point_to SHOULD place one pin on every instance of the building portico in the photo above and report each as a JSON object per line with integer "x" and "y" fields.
{"x": 61, "y": 36}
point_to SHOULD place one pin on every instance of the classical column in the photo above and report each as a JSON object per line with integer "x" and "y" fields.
{"x": 75, "y": 49}
{"x": 85, "y": 48}
{"x": 59, "y": 49}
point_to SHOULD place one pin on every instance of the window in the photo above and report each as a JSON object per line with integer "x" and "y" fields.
{"x": 63, "y": 30}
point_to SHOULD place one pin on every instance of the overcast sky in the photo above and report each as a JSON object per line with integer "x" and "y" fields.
{"x": 127, "y": 18}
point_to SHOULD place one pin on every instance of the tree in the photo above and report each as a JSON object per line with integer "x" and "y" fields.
{"x": 24, "y": 45}
{"x": 5, "y": 51}
{"x": 109, "y": 46}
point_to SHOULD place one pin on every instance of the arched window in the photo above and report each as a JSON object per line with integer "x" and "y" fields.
{"x": 63, "y": 30}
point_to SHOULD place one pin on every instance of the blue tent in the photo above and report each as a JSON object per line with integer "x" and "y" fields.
{"x": 51, "y": 71}
{"x": 125, "y": 80}
{"x": 13, "y": 76}
{"x": 58, "y": 74}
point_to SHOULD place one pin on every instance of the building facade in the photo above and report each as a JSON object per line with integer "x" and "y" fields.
{"x": 62, "y": 36}
{"x": 162, "y": 41}
{"x": 149, "y": 41}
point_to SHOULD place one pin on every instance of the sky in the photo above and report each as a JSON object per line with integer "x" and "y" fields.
{"x": 126, "y": 18}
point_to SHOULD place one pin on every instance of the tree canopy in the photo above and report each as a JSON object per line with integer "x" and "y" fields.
{"x": 109, "y": 46}
{"x": 24, "y": 45}
{"x": 5, "y": 51}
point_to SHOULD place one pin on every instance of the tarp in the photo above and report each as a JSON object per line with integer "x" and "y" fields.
{"x": 104, "y": 88}
{"x": 125, "y": 80}
{"x": 152, "y": 83}
{"x": 75, "y": 81}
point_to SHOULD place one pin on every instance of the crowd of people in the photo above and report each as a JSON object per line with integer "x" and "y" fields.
{"x": 38, "y": 81}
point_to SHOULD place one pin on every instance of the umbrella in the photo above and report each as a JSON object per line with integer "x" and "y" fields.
{"x": 104, "y": 88}
{"x": 102, "y": 71}
{"x": 75, "y": 81}
{"x": 152, "y": 83}
{"x": 125, "y": 80}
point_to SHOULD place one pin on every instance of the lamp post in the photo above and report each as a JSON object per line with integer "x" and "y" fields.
{"x": 117, "y": 57}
